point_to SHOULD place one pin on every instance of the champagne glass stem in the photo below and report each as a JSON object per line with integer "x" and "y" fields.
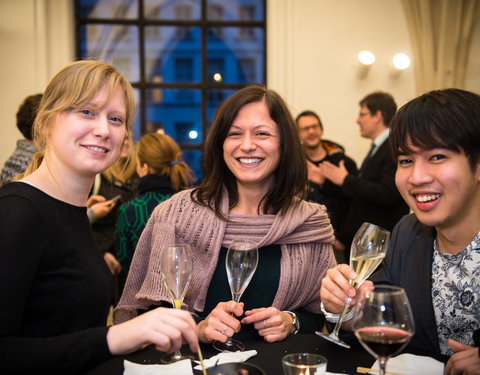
{"x": 342, "y": 316}
{"x": 177, "y": 304}
{"x": 236, "y": 298}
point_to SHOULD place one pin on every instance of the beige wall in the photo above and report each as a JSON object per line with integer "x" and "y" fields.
{"x": 312, "y": 48}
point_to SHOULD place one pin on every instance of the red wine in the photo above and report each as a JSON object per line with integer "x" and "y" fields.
{"x": 383, "y": 341}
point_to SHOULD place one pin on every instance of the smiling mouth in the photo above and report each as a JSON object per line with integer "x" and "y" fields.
{"x": 424, "y": 198}
{"x": 249, "y": 160}
{"x": 97, "y": 149}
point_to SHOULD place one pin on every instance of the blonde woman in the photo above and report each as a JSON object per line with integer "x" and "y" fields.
{"x": 56, "y": 289}
{"x": 162, "y": 173}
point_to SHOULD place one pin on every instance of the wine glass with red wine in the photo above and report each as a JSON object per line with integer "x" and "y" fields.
{"x": 383, "y": 322}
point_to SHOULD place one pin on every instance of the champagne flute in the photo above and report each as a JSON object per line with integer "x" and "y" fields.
{"x": 176, "y": 268}
{"x": 383, "y": 322}
{"x": 369, "y": 247}
{"x": 241, "y": 262}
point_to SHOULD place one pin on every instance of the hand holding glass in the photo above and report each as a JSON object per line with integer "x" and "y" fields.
{"x": 369, "y": 247}
{"x": 176, "y": 267}
{"x": 241, "y": 262}
{"x": 383, "y": 322}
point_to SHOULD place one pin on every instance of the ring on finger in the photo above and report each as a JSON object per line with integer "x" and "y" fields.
{"x": 224, "y": 330}
{"x": 264, "y": 325}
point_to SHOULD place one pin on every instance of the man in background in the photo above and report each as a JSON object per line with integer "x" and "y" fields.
{"x": 317, "y": 150}
{"x": 374, "y": 196}
{"x": 23, "y": 154}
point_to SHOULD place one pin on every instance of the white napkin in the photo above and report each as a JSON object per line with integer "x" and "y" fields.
{"x": 410, "y": 364}
{"x": 183, "y": 367}
{"x": 229, "y": 357}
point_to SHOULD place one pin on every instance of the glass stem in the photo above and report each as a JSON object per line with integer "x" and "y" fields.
{"x": 342, "y": 316}
{"x": 382, "y": 365}
{"x": 236, "y": 298}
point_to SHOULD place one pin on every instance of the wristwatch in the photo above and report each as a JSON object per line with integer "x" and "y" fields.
{"x": 295, "y": 321}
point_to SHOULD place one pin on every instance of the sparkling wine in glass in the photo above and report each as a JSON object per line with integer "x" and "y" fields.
{"x": 369, "y": 247}
{"x": 241, "y": 262}
{"x": 176, "y": 267}
{"x": 383, "y": 322}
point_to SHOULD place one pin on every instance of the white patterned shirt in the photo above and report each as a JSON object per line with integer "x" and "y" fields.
{"x": 456, "y": 294}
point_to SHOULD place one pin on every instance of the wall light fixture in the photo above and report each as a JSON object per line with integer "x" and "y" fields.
{"x": 400, "y": 62}
{"x": 365, "y": 60}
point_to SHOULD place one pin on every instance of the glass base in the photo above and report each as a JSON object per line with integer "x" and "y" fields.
{"x": 333, "y": 338}
{"x": 231, "y": 345}
{"x": 175, "y": 357}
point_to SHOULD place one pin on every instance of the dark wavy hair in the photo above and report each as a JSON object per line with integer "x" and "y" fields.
{"x": 291, "y": 174}
{"x": 448, "y": 119}
{"x": 26, "y": 114}
{"x": 383, "y": 102}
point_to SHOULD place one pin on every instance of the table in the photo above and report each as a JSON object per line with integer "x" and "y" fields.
{"x": 269, "y": 355}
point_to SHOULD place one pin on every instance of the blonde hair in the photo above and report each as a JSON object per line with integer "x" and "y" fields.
{"x": 124, "y": 168}
{"x": 162, "y": 154}
{"x": 32, "y": 166}
{"x": 76, "y": 85}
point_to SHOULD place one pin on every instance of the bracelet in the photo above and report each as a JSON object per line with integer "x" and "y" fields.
{"x": 334, "y": 318}
{"x": 295, "y": 321}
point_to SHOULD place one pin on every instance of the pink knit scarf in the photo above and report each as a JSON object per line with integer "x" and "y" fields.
{"x": 304, "y": 233}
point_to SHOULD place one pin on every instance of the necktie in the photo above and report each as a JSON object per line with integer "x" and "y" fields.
{"x": 367, "y": 158}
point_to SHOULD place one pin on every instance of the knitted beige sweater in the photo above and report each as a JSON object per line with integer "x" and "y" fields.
{"x": 304, "y": 233}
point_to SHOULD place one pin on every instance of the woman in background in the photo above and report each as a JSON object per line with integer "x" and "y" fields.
{"x": 56, "y": 287}
{"x": 162, "y": 173}
{"x": 118, "y": 182}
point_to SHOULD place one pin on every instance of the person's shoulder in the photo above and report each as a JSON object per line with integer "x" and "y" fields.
{"x": 18, "y": 189}
{"x": 313, "y": 208}
{"x": 409, "y": 224}
{"x": 20, "y": 200}
{"x": 178, "y": 201}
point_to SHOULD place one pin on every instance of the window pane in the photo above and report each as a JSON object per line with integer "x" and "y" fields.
{"x": 115, "y": 44}
{"x": 242, "y": 53}
{"x": 235, "y": 10}
{"x": 108, "y": 9}
{"x": 172, "y": 10}
{"x": 214, "y": 99}
{"x": 173, "y": 56}
{"x": 194, "y": 160}
{"x": 137, "y": 130}
{"x": 177, "y": 112}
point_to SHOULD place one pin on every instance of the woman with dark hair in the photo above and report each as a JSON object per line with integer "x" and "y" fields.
{"x": 255, "y": 178}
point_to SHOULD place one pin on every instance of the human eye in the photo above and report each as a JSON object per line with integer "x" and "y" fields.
{"x": 234, "y": 133}
{"x": 117, "y": 120}
{"x": 86, "y": 112}
{"x": 438, "y": 157}
{"x": 403, "y": 161}
{"x": 263, "y": 133}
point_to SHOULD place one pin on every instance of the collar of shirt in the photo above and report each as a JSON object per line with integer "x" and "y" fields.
{"x": 380, "y": 139}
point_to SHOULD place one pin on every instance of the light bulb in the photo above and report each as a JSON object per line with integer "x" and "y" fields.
{"x": 366, "y": 58}
{"x": 401, "y": 61}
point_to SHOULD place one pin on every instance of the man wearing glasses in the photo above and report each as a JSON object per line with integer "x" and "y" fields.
{"x": 317, "y": 151}
{"x": 374, "y": 196}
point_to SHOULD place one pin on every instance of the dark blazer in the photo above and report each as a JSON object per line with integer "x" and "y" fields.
{"x": 408, "y": 264}
{"x": 374, "y": 196}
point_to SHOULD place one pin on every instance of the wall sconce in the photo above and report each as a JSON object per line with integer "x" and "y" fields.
{"x": 365, "y": 60}
{"x": 400, "y": 62}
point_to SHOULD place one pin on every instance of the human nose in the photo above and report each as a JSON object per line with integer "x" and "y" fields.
{"x": 419, "y": 174}
{"x": 248, "y": 143}
{"x": 101, "y": 127}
